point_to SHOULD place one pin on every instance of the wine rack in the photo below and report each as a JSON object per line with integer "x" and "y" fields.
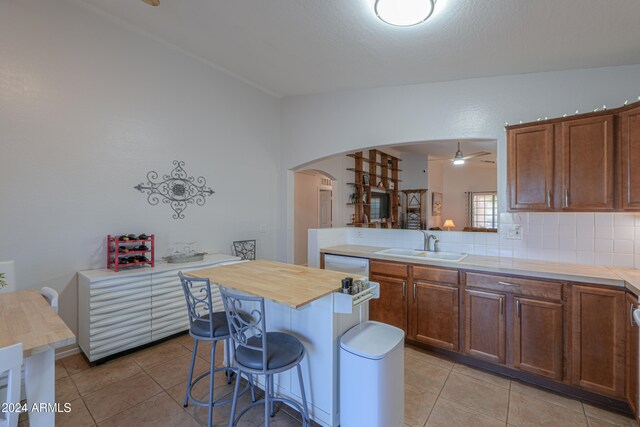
{"x": 126, "y": 253}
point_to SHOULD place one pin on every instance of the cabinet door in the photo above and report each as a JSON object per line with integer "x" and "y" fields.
{"x": 391, "y": 307}
{"x": 537, "y": 337}
{"x": 598, "y": 335}
{"x": 632, "y": 355}
{"x": 435, "y": 314}
{"x": 530, "y": 168}
{"x": 630, "y": 156}
{"x": 587, "y": 163}
{"x": 485, "y": 325}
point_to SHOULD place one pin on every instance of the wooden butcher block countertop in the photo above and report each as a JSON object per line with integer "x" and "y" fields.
{"x": 292, "y": 285}
{"x": 26, "y": 317}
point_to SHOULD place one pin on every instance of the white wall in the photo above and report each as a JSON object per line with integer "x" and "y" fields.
{"x": 458, "y": 179}
{"x": 414, "y": 171}
{"x": 87, "y": 108}
{"x": 317, "y": 126}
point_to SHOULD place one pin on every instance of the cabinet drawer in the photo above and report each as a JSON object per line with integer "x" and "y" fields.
{"x": 515, "y": 285}
{"x": 433, "y": 274}
{"x": 388, "y": 268}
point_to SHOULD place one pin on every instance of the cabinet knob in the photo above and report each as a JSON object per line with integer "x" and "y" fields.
{"x": 404, "y": 288}
{"x": 414, "y": 290}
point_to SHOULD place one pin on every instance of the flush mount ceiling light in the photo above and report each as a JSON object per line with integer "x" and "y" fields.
{"x": 404, "y": 13}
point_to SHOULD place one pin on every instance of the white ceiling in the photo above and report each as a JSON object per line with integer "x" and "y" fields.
{"x": 292, "y": 47}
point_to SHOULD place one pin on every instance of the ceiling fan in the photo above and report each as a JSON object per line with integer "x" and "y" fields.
{"x": 152, "y": 2}
{"x": 459, "y": 158}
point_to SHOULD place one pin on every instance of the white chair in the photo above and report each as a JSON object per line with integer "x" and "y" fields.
{"x": 10, "y": 363}
{"x": 51, "y": 295}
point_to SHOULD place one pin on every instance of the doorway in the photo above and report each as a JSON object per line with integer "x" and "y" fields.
{"x": 313, "y": 205}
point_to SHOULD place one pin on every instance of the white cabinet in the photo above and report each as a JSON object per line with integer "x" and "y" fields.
{"x": 119, "y": 311}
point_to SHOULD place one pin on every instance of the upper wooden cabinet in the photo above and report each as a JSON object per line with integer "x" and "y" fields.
{"x": 579, "y": 163}
{"x": 586, "y": 168}
{"x": 630, "y": 158}
{"x": 531, "y": 168}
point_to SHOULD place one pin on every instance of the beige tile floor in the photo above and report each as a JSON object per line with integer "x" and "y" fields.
{"x": 146, "y": 388}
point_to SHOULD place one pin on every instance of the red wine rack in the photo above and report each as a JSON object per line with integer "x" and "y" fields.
{"x": 115, "y": 255}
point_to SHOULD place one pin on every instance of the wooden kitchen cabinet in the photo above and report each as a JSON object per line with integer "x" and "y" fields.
{"x": 587, "y": 163}
{"x": 435, "y": 314}
{"x": 598, "y": 333}
{"x": 530, "y": 168}
{"x": 485, "y": 325}
{"x": 631, "y": 385}
{"x": 630, "y": 158}
{"x": 391, "y": 307}
{"x": 537, "y": 337}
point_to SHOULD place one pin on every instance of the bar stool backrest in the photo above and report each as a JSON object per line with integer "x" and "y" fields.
{"x": 197, "y": 293}
{"x": 246, "y": 322}
{"x": 51, "y": 295}
{"x": 11, "y": 363}
{"x": 245, "y": 249}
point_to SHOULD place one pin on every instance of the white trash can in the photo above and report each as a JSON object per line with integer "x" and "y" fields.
{"x": 372, "y": 376}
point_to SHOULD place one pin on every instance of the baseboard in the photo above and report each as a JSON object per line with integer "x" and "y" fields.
{"x": 67, "y": 351}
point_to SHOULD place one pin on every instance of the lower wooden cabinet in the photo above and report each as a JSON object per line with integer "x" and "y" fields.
{"x": 576, "y": 334}
{"x": 434, "y": 312}
{"x": 485, "y": 325}
{"x": 631, "y": 386}
{"x": 537, "y": 337}
{"x": 598, "y": 339}
{"x": 391, "y": 307}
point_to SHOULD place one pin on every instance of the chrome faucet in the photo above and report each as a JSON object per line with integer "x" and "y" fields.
{"x": 427, "y": 242}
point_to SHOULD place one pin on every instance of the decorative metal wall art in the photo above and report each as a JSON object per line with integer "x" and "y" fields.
{"x": 176, "y": 189}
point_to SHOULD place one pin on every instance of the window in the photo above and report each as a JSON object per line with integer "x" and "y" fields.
{"x": 484, "y": 210}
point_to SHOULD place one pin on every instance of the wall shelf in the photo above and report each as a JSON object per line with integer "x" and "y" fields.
{"x": 377, "y": 172}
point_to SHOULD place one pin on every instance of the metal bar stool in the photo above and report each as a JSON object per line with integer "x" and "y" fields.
{"x": 258, "y": 352}
{"x": 205, "y": 324}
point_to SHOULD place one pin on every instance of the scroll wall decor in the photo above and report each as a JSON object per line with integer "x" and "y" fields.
{"x": 176, "y": 189}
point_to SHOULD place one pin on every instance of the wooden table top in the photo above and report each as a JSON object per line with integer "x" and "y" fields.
{"x": 26, "y": 317}
{"x": 287, "y": 284}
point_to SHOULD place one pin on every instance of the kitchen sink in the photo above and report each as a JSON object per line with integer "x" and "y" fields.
{"x": 418, "y": 254}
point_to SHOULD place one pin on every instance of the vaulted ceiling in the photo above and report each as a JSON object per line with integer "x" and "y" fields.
{"x": 293, "y": 47}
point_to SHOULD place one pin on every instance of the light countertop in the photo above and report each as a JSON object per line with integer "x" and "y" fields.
{"x": 292, "y": 285}
{"x": 611, "y": 276}
{"x": 160, "y": 267}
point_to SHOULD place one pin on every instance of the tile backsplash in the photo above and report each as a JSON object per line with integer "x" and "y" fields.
{"x": 610, "y": 239}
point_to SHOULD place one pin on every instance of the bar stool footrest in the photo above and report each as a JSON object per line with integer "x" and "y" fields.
{"x": 220, "y": 400}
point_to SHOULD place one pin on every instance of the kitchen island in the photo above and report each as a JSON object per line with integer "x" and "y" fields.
{"x": 304, "y": 302}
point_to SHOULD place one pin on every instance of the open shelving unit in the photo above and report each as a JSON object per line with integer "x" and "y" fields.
{"x": 375, "y": 172}
{"x": 414, "y": 205}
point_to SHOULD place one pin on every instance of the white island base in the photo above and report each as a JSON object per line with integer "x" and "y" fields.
{"x": 319, "y": 327}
